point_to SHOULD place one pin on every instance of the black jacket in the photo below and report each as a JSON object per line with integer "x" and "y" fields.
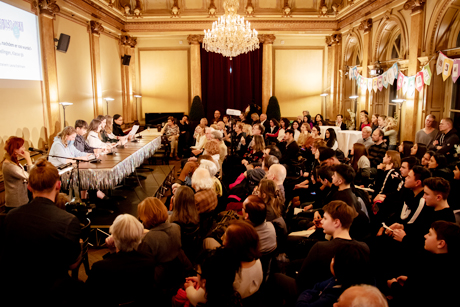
{"x": 447, "y": 141}
{"x": 81, "y": 145}
{"x": 117, "y": 130}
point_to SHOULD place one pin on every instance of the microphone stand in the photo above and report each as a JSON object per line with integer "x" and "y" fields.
{"x": 78, "y": 171}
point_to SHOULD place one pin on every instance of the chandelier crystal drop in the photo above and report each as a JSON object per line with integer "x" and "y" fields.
{"x": 230, "y": 34}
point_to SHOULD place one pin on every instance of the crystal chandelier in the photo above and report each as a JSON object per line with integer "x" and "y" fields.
{"x": 230, "y": 35}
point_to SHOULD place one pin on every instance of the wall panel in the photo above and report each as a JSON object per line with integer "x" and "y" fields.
{"x": 111, "y": 73}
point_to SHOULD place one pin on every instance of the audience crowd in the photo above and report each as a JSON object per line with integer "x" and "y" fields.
{"x": 264, "y": 212}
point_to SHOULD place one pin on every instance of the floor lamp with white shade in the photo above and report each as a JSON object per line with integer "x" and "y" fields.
{"x": 64, "y": 105}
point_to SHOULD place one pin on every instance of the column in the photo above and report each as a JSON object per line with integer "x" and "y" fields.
{"x": 128, "y": 45}
{"x": 364, "y": 98}
{"x": 267, "y": 68}
{"x": 51, "y": 108}
{"x": 410, "y": 106}
{"x": 95, "y": 29}
{"x": 334, "y": 101}
{"x": 195, "y": 63}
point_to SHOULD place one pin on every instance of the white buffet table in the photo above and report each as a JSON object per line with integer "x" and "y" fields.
{"x": 347, "y": 138}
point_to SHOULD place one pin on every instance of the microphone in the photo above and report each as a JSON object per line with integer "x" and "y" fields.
{"x": 37, "y": 150}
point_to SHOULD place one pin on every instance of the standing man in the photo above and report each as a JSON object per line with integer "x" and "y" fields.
{"x": 184, "y": 136}
{"x": 216, "y": 118}
{"x": 428, "y": 134}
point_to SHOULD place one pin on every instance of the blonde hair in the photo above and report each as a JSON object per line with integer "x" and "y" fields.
{"x": 212, "y": 147}
{"x": 395, "y": 158}
{"x": 247, "y": 129}
{"x": 392, "y": 124}
{"x": 108, "y": 124}
{"x": 69, "y": 130}
{"x": 269, "y": 192}
{"x": 127, "y": 232}
{"x": 255, "y": 117}
{"x": 152, "y": 212}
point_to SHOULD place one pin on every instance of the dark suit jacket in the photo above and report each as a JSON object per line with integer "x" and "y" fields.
{"x": 121, "y": 278}
{"x": 343, "y": 126}
{"x": 450, "y": 139}
{"x": 117, "y": 130}
{"x": 40, "y": 242}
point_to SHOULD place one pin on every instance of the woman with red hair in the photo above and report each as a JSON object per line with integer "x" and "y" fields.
{"x": 14, "y": 175}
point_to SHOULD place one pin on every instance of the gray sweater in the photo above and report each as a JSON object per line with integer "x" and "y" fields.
{"x": 15, "y": 180}
{"x": 162, "y": 242}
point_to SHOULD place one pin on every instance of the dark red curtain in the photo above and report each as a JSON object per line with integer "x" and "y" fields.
{"x": 230, "y": 84}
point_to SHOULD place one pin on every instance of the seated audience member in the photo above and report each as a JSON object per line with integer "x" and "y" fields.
{"x": 248, "y": 143}
{"x": 272, "y": 131}
{"x": 426, "y": 158}
{"x": 217, "y": 135}
{"x": 272, "y": 198}
{"x": 92, "y": 136}
{"x": 216, "y": 118}
{"x": 446, "y": 139}
{"x": 364, "y": 117}
{"x": 242, "y": 239}
{"x": 315, "y": 132}
{"x": 388, "y": 178}
{"x": 331, "y": 139}
{"x": 418, "y": 150}
{"x": 40, "y": 242}
{"x": 63, "y": 147}
{"x": 367, "y": 138}
{"x": 338, "y": 217}
{"x": 361, "y": 164}
{"x": 212, "y": 169}
{"x": 186, "y": 216}
{"x": 296, "y": 128}
{"x": 391, "y": 132}
{"x": 213, "y": 285}
{"x": 304, "y": 138}
{"x": 162, "y": 241}
{"x": 438, "y": 167}
{"x": 377, "y": 151}
{"x": 203, "y": 124}
{"x": 454, "y": 194}
{"x": 350, "y": 266}
{"x": 200, "y": 138}
{"x": 107, "y": 131}
{"x": 362, "y": 295}
{"x": 14, "y": 176}
{"x": 272, "y": 150}
{"x": 172, "y": 132}
{"x": 255, "y": 211}
{"x": 255, "y": 151}
{"x": 438, "y": 263}
{"x": 339, "y": 122}
{"x": 436, "y": 191}
{"x": 211, "y": 151}
{"x": 307, "y": 119}
{"x": 185, "y": 135}
{"x": 374, "y": 122}
{"x": 122, "y": 267}
{"x": 264, "y": 122}
{"x": 428, "y": 134}
{"x": 81, "y": 127}
{"x": 277, "y": 173}
{"x": 381, "y": 122}
{"x": 327, "y": 156}
{"x": 405, "y": 149}
{"x": 284, "y": 125}
{"x": 289, "y": 148}
{"x": 318, "y": 118}
{"x": 205, "y": 195}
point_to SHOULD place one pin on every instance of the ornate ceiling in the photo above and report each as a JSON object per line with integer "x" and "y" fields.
{"x": 196, "y": 15}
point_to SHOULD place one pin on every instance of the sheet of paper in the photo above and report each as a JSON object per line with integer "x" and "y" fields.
{"x": 303, "y": 233}
{"x": 134, "y": 130}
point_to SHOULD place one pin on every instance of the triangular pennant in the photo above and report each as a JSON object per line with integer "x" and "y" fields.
{"x": 447, "y": 68}
{"x": 375, "y": 84}
{"x": 411, "y": 86}
{"x": 385, "y": 79}
{"x": 380, "y": 83}
{"x": 369, "y": 84}
{"x": 400, "y": 81}
{"x": 426, "y": 75}
{"x": 419, "y": 81}
{"x": 358, "y": 81}
{"x": 439, "y": 63}
{"x": 405, "y": 85}
{"x": 353, "y": 73}
{"x": 455, "y": 68}
{"x": 390, "y": 76}
{"x": 395, "y": 69}
{"x": 356, "y": 73}
{"x": 363, "y": 84}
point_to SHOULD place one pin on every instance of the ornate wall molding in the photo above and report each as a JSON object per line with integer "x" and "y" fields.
{"x": 366, "y": 25}
{"x": 96, "y": 27}
{"x": 195, "y": 39}
{"x": 397, "y": 21}
{"x": 437, "y": 15}
{"x": 414, "y": 5}
{"x": 329, "y": 41}
{"x": 127, "y": 40}
{"x": 48, "y": 8}
{"x": 189, "y": 26}
{"x": 266, "y": 38}
{"x": 337, "y": 38}
{"x": 362, "y": 12}
{"x": 94, "y": 9}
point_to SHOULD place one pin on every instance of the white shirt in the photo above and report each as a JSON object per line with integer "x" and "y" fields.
{"x": 248, "y": 280}
{"x": 296, "y": 135}
{"x": 94, "y": 141}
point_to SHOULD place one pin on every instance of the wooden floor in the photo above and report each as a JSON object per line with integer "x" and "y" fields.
{"x": 133, "y": 197}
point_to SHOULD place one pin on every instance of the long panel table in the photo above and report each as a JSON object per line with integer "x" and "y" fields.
{"x": 113, "y": 168}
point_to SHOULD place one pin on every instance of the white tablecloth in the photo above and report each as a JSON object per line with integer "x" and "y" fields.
{"x": 324, "y": 128}
{"x": 347, "y": 138}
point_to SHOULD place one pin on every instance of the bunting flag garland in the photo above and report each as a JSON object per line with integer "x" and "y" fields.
{"x": 447, "y": 68}
{"x": 395, "y": 69}
{"x": 455, "y": 68}
{"x": 369, "y": 84}
{"x": 356, "y": 73}
{"x": 358, "y": 81}
{"x": 439, "y": 63}
{"x": 419, "y": 81}
{"x": 411, "y": 86}
{"x": 363, "y": 84}
{"x": 400, "y": 81}
{"x": 375, "y": 84}
{"x": 426, "y": 74}
{"x": 385, "y": 80}
{"x": 405, "y": 85}
{"x": 380, "y": 82}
